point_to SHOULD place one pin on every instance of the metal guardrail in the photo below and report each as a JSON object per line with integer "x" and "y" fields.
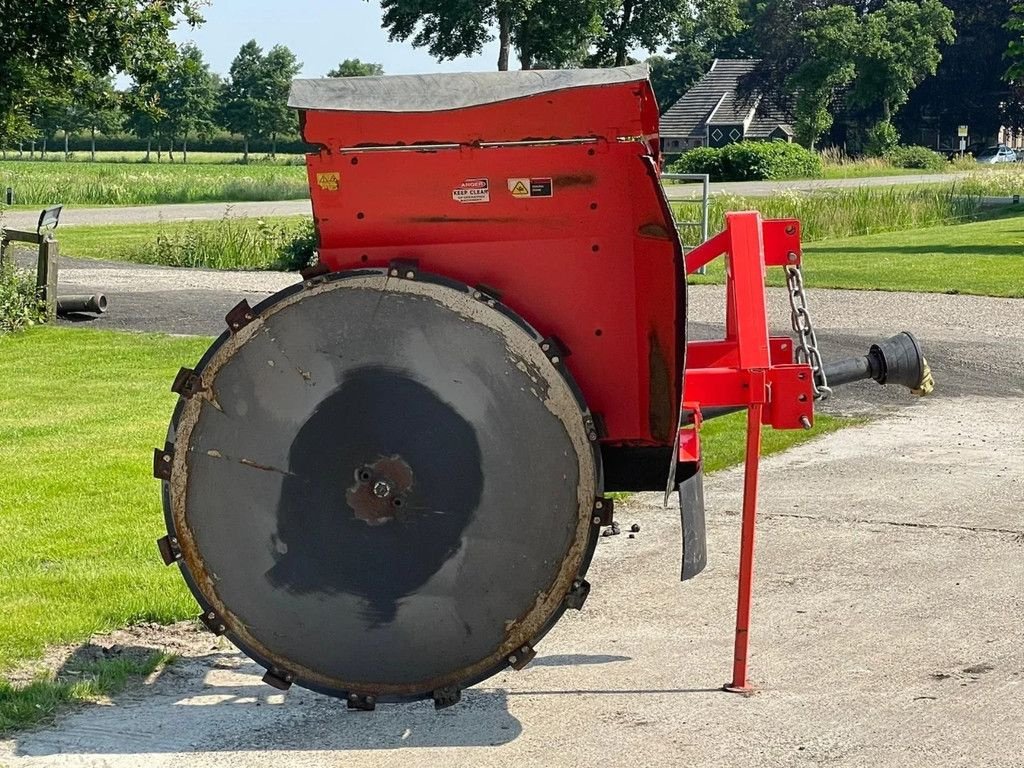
{"x": 683, "y": 225}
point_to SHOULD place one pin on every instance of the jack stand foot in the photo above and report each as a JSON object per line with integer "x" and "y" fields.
{"x": 746, "y": 691}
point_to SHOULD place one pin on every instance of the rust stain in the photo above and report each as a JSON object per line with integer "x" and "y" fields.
{"x": 660, "y": 410}
{"x": 575, "y": 180}
{"x": 653, "y": 229}
{"x": 462, "y": 220}
{"x": 374, "y": 508}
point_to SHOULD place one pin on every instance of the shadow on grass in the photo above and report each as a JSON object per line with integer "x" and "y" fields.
{"x": 91, "y": 673}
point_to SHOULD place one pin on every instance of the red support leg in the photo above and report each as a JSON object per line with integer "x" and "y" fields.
{"x": 739, "y": 682}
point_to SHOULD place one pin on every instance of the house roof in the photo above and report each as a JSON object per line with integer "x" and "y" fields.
{"x": 714, "y": 100}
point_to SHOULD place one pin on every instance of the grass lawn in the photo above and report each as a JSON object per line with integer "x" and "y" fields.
{"x": 80, "y": 412}
{"x": 983, "y": 258}
{"x": 42, "y": 183}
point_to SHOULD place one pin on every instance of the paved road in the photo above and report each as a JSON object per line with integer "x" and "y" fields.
{"x": 887, "y": 609}
{"x": 204, "y": 211}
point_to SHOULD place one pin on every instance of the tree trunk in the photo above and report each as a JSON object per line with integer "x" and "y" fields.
{"x": 504, "y": 39}
{"x": 245, "y": 150}
{"x": 67, "y": 154}
{"x": 32, "y": 150}
{"x": 620, "y": 46}
{"x": 170, "y": 149}
{"x": 273, "y": 146}
{"x": 42, "y": 152}
{"x": 92, "y": 147}
{"x": 149, "y": 147}
{"x": 184, "y": 149}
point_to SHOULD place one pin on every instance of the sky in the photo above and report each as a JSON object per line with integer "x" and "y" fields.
{"x": 321, "y": 33}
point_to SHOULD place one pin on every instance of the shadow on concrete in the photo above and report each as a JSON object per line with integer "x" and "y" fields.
{"x": 576, "y": 659}
{"x": 213, "y": 704}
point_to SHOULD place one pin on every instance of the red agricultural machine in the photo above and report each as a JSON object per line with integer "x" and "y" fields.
{"x": 387, "y": 482}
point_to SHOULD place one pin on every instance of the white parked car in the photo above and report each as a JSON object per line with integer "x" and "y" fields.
{"x": 998, "y": 154}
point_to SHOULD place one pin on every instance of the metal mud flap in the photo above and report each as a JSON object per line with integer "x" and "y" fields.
{"x": 691, "y": 513}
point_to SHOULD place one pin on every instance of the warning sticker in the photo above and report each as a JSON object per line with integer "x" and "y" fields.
{"x": 472, "y": 191}
{"x": 538, "y": 187}
{"x": 329, "y": 182}
{"x": 519, "y": 187}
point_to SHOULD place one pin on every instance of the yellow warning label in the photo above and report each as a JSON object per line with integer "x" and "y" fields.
{"x": 519, "y": 187}
{"x": 329, "y": 182}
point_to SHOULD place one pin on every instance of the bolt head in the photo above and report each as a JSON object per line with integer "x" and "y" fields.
{"x": 381, "y": 489}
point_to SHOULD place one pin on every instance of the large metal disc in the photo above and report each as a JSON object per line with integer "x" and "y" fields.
{"x": 383, "y": 486}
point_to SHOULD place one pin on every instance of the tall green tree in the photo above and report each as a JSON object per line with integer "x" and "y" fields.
{"x": 279, "y": 69}
{"x": 452, "y": 28}
{"x": 1015, "y": 47}
{"x": 244, "y": 98}
{"x": 973, "y": 69}
{"x": 100, "y": 106}
{"x": 555, "y": 34}
{"x": 706, "y": 30}
{"x": 189, "y": 97}
{"x": 356, "y": 68}
{"x": 60, "y": 35}
{"x": 829, "y": 36}
{"x": 638, "y": 24}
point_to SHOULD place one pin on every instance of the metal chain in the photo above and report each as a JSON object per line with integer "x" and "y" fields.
{"x": 807, "y": 342}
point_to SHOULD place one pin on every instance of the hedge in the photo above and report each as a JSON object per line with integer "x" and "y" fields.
{"x": 751, "y": 161}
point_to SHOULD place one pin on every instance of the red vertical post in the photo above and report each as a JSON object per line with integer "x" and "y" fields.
{"x": 739, "y": 682}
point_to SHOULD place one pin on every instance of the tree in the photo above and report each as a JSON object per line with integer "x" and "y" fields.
{"x": 707, "y": 30}
{"x": 829, "y": 36}
{"x": 145, "y": 115}
{"x": 99, "y": 105}
{"x": 973, "y": 68}
{"x": 189, "y": 97}
{"x": 279, "y": 69}
{"x": 631, "y": 24}
{"x": 60, "y": 35}
{"x": 899, "y": 48}
{"x": 356, "y": 68}
{"x": 244, "y": 97}
{"x": 558, "y": 33}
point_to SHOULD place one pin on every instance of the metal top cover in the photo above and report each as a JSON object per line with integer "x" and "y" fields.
{"x": 439, "y": 92}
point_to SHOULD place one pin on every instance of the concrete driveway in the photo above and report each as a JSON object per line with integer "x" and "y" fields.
{"x": 887, "y": 608}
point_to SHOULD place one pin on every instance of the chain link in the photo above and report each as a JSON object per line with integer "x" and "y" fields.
{"x": 807, "y": 343}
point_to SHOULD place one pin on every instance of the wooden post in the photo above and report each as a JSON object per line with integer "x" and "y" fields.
{"x": 46, "y": 276}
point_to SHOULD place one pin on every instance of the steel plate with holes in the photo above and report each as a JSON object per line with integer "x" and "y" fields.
{"x": 382, "y": 487}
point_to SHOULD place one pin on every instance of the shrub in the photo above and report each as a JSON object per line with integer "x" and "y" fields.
{"x": 915, "y": 157}
{"x": 881, "y": 139}
{"x": 20, "y": 305}
{"x": 700, "y": 160}
{"x": 752, "y": 161}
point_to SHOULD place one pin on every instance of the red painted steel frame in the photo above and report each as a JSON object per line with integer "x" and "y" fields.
{"x": 593, "y": 258}
{"x": 751, "y": 369}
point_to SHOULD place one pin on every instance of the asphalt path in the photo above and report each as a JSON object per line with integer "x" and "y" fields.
{"x": 73, "y": 216}
{"x": 887, "y": 603}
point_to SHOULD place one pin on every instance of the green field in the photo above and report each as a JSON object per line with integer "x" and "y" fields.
{"x": 198, "y": 158}
{"x": 38, "y": 184}
{"x": 983, "y": 258}
{"x": 80, "y": 413}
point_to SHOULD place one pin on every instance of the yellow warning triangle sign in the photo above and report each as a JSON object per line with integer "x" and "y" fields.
{"x": 520, "y": 190}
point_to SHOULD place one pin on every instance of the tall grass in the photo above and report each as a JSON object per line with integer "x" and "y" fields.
{"x": 837, "y": 213}
{"x": 231, "y": 243}
{"x": 49, "y": 183}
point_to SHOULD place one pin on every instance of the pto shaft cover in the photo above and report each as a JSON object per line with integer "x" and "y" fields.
{"x": 381, "y": 485}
